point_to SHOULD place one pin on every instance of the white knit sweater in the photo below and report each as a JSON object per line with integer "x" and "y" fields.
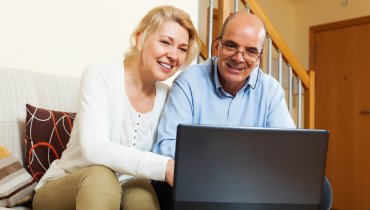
{"x": 109, "y": 132}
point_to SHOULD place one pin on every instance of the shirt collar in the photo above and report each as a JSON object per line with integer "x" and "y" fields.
{"x": 251, "y": 80}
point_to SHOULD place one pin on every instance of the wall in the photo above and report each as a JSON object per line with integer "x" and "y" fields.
{"x": 317, "y": 12}
{"x": 293, "y": 18}
{"x": 282, "y": 16}
{"x": 63, "y": 37}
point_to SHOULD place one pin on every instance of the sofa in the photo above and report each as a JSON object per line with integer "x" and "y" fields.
{"x": 21, "y": 87}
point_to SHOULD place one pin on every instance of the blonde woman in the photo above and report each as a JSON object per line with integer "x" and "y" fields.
{"x": 108, "y": 164}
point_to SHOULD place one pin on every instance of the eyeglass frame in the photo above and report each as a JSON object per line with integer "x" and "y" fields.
{"x": 236, "y": 51}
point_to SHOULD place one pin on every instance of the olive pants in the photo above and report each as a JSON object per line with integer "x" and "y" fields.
{"x": 95, "y": 188}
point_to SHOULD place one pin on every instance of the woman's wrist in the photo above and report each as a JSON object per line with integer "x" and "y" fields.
{"x": 170, "y": 168}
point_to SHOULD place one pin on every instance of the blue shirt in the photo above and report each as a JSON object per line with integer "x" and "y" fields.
{"x": 197, "y": 97}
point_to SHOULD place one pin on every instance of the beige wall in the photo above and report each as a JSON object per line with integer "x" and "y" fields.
{"x": 316, "y": 12}
{"x": 63, "y": 37}
{"x": 293, "y": 18}
{"x": 282, "y": 16}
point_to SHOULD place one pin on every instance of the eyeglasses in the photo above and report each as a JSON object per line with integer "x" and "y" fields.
{"x": 250, "y": 55}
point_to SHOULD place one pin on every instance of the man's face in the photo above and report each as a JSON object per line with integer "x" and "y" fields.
{"x": 239, "y": 52}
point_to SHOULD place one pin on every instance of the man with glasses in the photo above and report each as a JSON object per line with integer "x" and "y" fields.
{"x": 228, "y": 89}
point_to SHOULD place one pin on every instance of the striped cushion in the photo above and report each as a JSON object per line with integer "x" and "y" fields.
{"x": 16, "y": 184}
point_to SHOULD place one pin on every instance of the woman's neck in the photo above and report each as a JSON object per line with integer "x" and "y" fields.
{"x": 139, "y": 88}
{"x": 137, "y": 77}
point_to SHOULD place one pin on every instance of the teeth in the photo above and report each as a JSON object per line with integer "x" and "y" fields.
{"x": 235, "y": 67}
{"x": 165, "y": 65}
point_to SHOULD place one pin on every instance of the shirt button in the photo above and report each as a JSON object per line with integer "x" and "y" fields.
{"x": 134, "y": 137}
{"x": 139, "y": 115}
{"x": 133, "y": 144}
{"x": 135, "y": 131}
{"x": 137, "y": 123}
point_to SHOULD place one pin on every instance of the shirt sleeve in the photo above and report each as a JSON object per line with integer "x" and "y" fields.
{"x": 95, "y": 136}
{"x": 178, "y": 110}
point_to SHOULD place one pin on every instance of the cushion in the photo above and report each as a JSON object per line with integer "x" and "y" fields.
{"x": 16, "y": 185}
{"x": 47, "y": 134}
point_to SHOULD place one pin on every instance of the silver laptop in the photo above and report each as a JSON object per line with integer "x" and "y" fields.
{"x": 221, "y": 167}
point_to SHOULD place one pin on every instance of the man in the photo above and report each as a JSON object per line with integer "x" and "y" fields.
{"x": 229, "y": 89}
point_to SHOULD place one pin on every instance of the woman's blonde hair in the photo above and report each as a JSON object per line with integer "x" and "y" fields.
{"x": 154, "y": 19}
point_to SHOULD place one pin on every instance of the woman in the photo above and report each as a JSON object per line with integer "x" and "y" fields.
{"x": 107, "y": 163}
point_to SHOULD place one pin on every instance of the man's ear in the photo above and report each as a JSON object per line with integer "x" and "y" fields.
{"x": 138, "y": 41}
{"x": 216, "y": 45}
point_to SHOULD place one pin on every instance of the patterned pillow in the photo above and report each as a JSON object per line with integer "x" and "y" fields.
{"x": 16, "y": 185}
{"x": 47, "y": 134}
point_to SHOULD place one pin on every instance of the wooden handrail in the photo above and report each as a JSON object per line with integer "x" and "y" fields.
{"x": 279, "y": 43}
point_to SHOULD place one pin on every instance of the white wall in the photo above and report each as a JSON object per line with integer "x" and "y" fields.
{"x": 63, "y": 37}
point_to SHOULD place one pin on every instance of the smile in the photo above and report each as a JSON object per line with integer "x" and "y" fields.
{"x": 235, "y": 67}
{"x": 165, "y": 65}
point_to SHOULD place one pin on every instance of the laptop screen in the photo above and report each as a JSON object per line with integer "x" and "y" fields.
{"x": 222, "y": 167}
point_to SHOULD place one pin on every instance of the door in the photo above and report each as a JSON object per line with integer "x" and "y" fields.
{"x": 340, "y": 56}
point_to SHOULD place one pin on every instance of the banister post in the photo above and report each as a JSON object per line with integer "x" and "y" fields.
{"x": 309, "y": 100}
{"x": 224, "y": 10}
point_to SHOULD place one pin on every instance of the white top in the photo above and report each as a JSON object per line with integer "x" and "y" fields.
{"x": 109, "y": 131}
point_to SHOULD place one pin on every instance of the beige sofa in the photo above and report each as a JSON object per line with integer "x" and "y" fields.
{"x": 18, "y": 87}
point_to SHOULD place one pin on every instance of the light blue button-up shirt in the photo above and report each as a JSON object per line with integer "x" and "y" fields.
{"x": 197, "y": 97}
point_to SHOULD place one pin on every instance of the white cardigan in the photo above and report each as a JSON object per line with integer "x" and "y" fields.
{"x": 99, "y": 135}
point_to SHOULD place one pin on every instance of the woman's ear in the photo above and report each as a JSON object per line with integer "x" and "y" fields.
{"x": 138, "y": 41}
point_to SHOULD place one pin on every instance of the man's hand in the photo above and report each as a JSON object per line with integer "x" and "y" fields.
{"x": 170, "y": 170}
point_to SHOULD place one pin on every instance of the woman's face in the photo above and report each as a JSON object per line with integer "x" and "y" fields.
{"x": 164, "y": 51}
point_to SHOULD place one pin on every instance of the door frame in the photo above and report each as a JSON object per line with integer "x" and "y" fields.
{"x": 328, "y": 27}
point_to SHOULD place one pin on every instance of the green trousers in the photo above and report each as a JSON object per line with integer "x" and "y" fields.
{"x": 95, "y": 188}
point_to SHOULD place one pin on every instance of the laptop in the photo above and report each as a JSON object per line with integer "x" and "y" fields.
{"x": 234, "y": 168}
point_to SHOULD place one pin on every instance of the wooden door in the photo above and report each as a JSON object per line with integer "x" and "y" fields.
{"x": 340, "y": 56}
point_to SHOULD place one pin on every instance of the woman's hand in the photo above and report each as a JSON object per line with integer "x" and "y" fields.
{"x": 170, "y": 170}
